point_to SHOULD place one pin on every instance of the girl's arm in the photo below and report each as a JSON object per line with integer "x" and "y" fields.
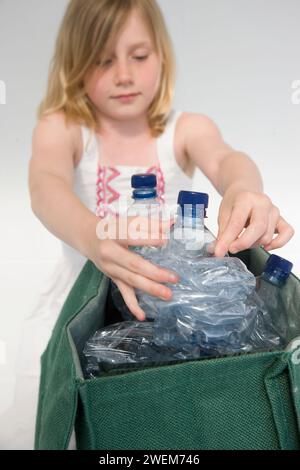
{"x": 237, "y": 179}
{"x": 51, "y": 171}
{"x": 53, "y": 201}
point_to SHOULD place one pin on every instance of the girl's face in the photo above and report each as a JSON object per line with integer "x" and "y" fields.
{"x": 132, "y": 68}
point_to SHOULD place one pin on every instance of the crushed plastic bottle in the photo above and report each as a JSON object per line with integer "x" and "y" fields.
{"x": 189, "y": 241}
{"x": 121, "y": 346}
{"x": 209, "y": 308}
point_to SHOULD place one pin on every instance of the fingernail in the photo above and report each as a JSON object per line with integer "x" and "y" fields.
{"x": 173, "y": 278}
{"x": 165, "y": 297}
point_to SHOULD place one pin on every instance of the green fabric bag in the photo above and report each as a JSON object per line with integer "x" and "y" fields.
{"x": 247, "y": 401}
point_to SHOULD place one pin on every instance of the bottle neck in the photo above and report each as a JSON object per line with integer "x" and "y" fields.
{"x": 190, "y": 219}
{"x": 188, "y": 231}
{"x": 145, "y": 201}
{"x": 144, "y": 193}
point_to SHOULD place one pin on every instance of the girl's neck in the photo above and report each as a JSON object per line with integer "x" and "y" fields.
{"x": 130, "y": 129}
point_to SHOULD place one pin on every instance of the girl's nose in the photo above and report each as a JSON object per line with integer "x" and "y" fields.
{"x": 123, "y": 74}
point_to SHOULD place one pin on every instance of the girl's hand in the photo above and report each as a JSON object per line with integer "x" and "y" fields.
{"x": 109, "y": 252}
{"x": 255, "y": 213}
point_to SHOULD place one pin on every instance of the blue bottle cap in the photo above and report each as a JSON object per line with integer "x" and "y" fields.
{"x": 143, "y": 180}
{"x": 278, "y": 267}
{"x": 192, "y": 198}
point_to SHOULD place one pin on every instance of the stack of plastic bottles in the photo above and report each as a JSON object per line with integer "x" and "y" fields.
{"x": 218, "y": 307}
{"x": 212, "y": 306}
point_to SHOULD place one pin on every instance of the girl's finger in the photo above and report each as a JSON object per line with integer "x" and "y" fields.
{"x": 256, "y": 229}
{"x": 236, "y": 224}
{"x": 223, "y": 219}
{"x": 120, "y": 256}
{"x": 285, "y": 232}
{"x": 140, "y": 282}
{"x": 267, "y": 238}
{"x": 130, "y": 299}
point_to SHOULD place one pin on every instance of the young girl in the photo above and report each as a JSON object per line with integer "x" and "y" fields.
{"x": 107, "y": 115}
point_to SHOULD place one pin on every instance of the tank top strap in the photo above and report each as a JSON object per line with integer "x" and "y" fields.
{"x": 89, "y": 145}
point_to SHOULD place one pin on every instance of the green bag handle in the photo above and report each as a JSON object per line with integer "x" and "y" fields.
{"x": 283, "y": 388}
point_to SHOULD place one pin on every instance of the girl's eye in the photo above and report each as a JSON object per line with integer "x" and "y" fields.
{"x": 109, "y": 61}
{"x": 103, "y": 63}
{"x": 106, "y": 62}
{"x": 142, "y": 58}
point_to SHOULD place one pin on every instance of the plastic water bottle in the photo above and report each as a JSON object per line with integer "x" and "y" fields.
{"x": 147, "y": 205}
{"x": 276, "y": 273}
{"x": 144, "y": 195}
{"x": 188, "y": 241}
{"x": 269, "y": 288}
{"x": 189, "y": 237}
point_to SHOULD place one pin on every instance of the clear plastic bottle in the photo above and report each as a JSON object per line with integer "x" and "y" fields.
{"x": 144, "y": 195}
{"x": 269, "y": 288}
{"x": 147, "y": 205}
{"x": 188, "y": 242}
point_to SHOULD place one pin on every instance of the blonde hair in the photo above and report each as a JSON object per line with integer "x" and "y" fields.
{"x": 87, "y": 29}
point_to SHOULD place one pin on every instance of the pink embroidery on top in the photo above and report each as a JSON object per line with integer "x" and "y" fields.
{"x": 106, "y": 194}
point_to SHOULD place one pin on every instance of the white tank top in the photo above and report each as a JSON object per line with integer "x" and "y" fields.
{"x": 105, "y": 189}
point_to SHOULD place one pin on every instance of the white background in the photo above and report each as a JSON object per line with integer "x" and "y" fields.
{"x": 237, "y": 61}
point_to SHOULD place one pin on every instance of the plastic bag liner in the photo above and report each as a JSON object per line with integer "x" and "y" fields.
{"x": 247, "y": 401}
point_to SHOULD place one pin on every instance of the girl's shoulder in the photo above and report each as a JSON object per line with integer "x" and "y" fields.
{"x": 194, "y": 121}
{"x": 54, "y": 127}
{"x": 188, "y": 126}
